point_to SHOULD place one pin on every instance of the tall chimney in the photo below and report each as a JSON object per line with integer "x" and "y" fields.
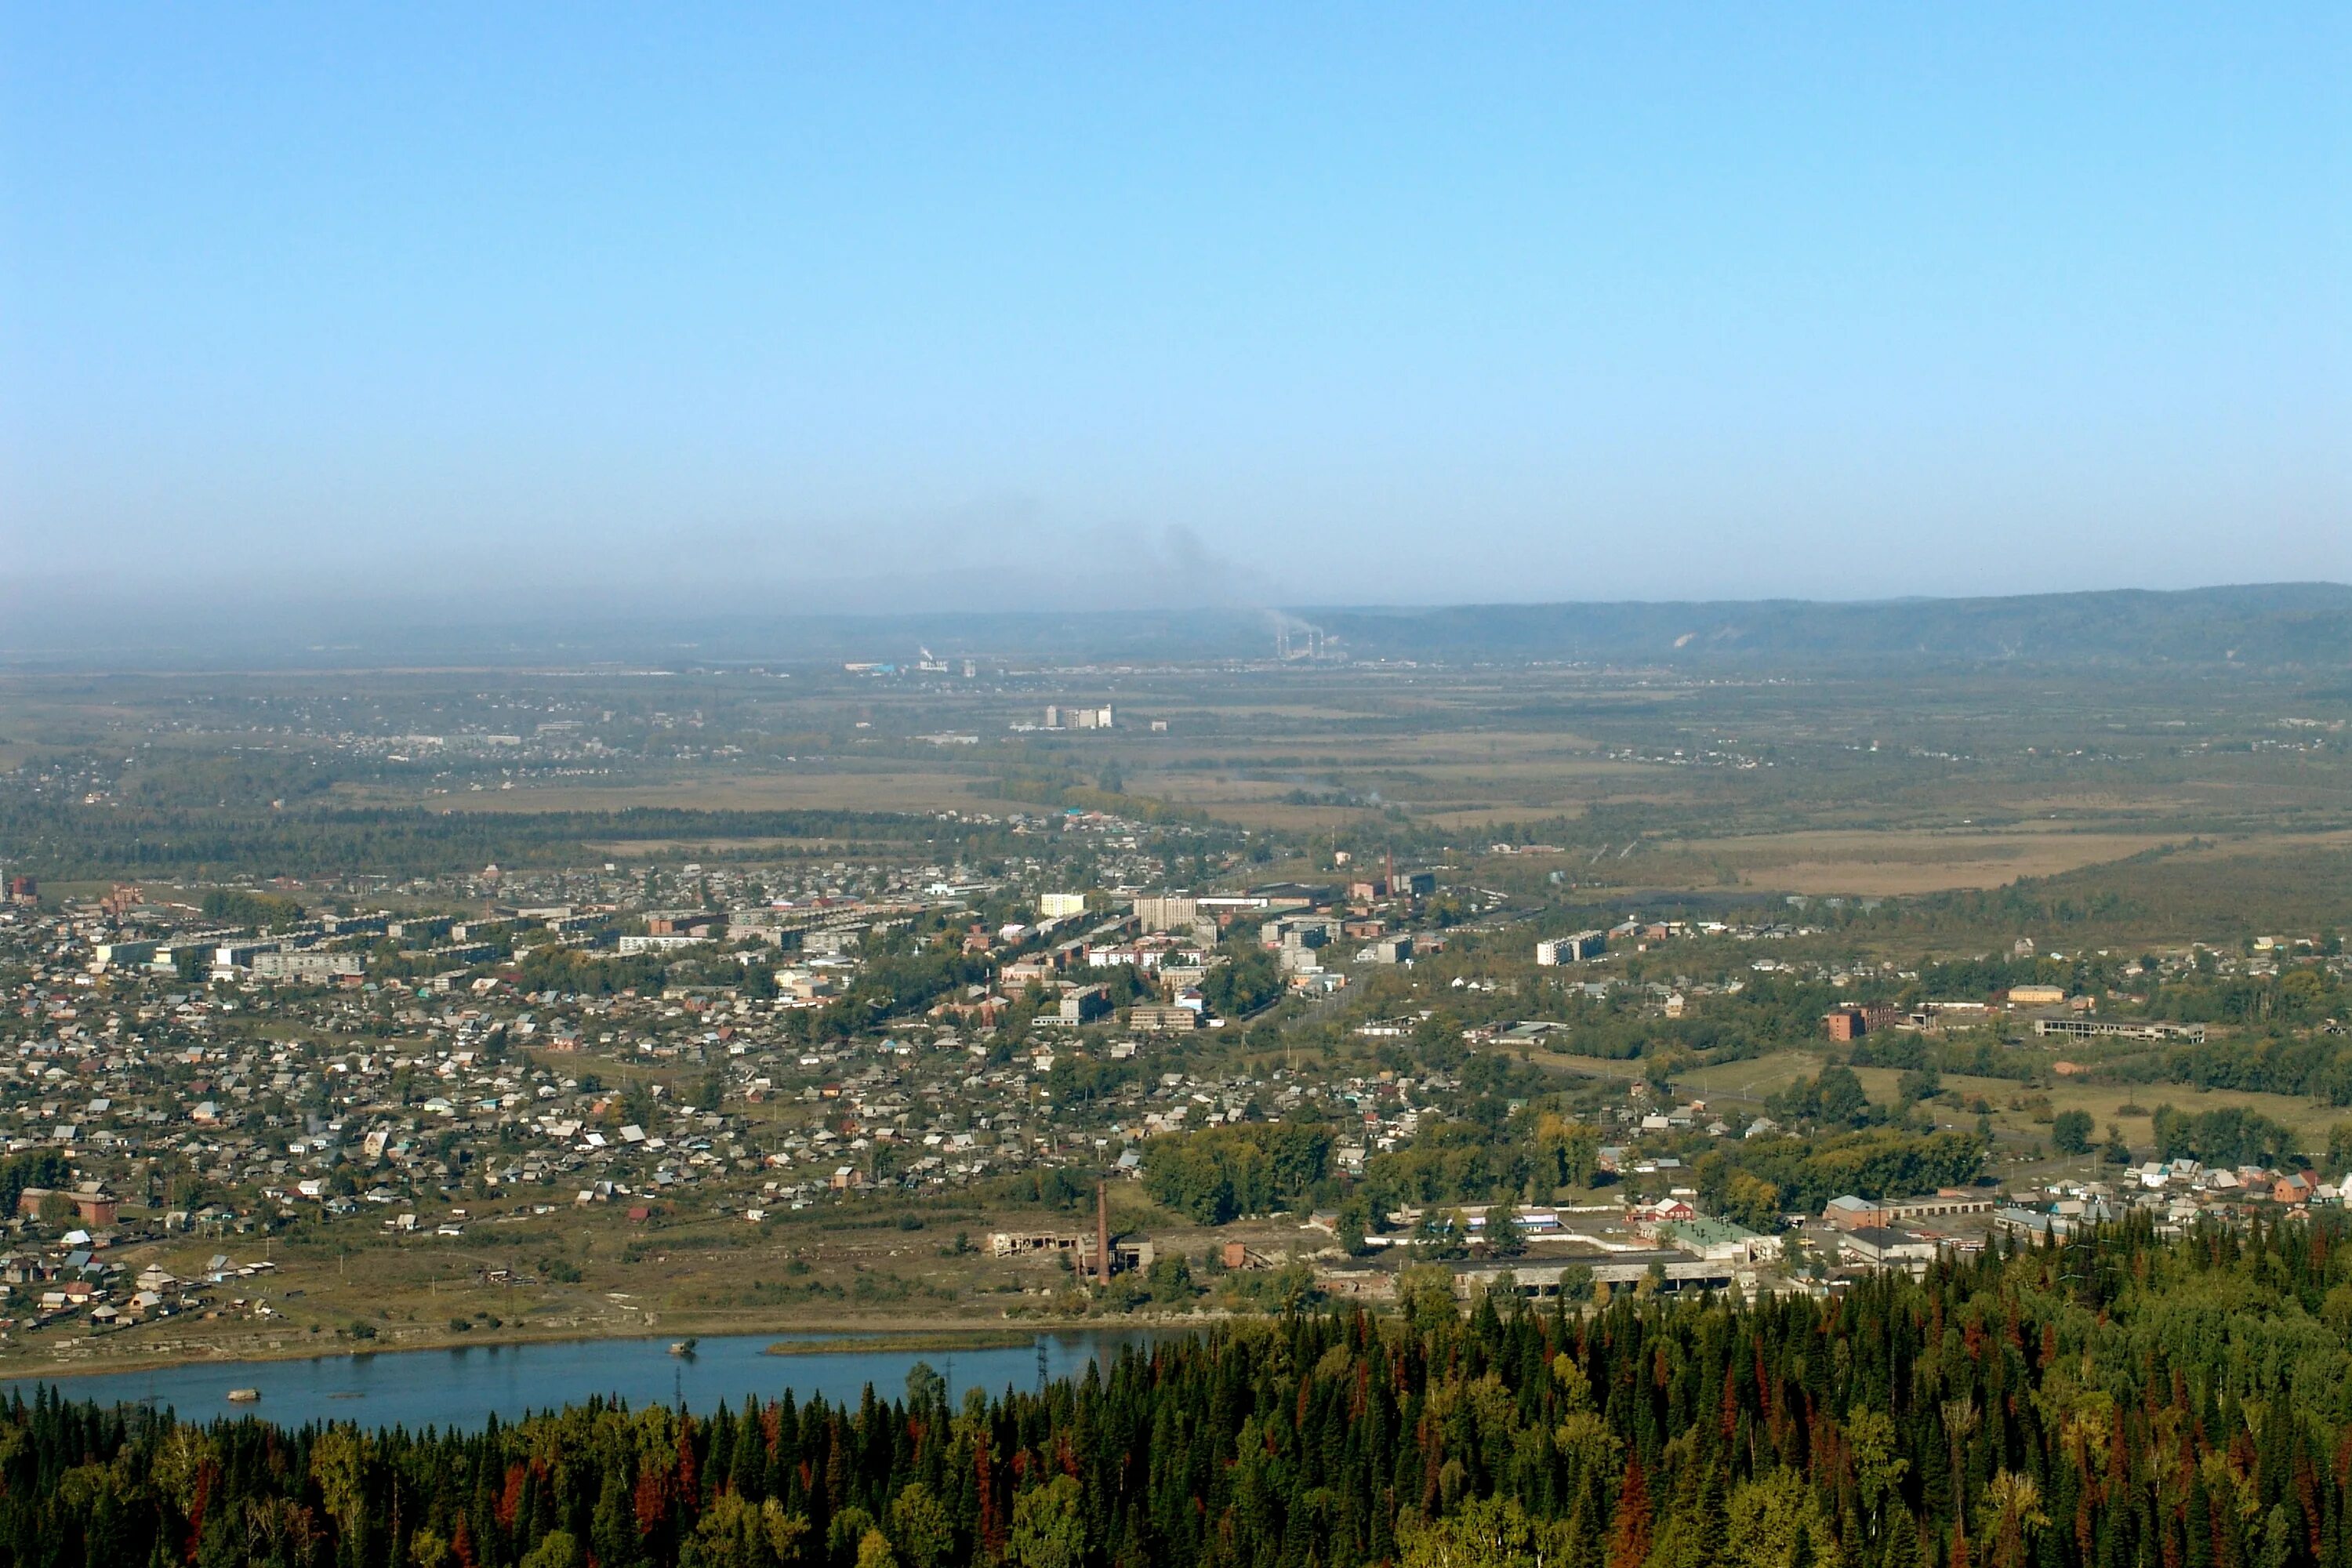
{"x": 1102, "y": 1232}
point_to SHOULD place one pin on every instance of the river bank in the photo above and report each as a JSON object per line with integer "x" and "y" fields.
{"x": 918, "y": 1341}
{"x": 90, "y": 1356}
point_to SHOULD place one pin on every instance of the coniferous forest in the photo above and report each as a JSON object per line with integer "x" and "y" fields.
{"x": 2115, "y": 1401}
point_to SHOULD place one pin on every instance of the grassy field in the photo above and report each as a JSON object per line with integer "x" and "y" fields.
{"x": 1745, "y": 1086}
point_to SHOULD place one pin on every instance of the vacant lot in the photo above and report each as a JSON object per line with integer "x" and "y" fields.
{"x": 1924, "y": 861}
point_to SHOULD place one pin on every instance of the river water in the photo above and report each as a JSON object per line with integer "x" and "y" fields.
{"x": 462, "y": 1387}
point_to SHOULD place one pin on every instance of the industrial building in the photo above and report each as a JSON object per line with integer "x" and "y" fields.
{"x": 2193, "y": 1034}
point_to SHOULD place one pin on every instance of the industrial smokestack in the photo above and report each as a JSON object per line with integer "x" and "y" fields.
{"x": 1102, "y": 1232}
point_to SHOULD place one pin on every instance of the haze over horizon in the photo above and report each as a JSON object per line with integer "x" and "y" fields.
{"x": 917, "y": 309}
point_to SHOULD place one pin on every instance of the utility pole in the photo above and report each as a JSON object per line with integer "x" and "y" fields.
{"x": 1102, "y": 1232}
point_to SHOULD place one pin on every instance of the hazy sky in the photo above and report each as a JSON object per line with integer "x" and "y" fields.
{"x": 836, "y": 306}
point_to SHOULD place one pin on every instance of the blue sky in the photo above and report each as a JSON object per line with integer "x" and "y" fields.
{"x": 1039, "y": 305}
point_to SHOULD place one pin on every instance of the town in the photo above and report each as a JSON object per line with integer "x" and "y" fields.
{"x": 211, "y": 1094}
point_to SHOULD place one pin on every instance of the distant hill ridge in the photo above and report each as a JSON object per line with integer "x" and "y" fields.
{"x": 2303, "y": 623}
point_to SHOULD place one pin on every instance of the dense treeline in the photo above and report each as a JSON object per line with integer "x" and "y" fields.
{"x": 2227, "y": 1135}
{"x": 1977, "y": 1053}
{"x": 240, "y": 906}
{"x": 1217, "y": 1173}
{"x": 241, "y": 777}
{"x": 2316, "y": 1065}
{"x": 583, "y": 972}
{"x": 2107, "y": 1403}
{"x": 1757, "y": 1180}
{"x": 1532, "y": 1154}
{"x": 41, "y": 1168}
{"x": 54, "y": 839}
{"x": 1221, "y": 1172}
{"x": 1244, "y": 982}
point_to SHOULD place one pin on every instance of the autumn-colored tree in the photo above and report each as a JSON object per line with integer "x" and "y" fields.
{"x": 1629, "y": 1538}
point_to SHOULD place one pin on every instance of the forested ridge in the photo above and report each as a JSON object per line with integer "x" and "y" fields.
{"x": 2117, "y": 1400}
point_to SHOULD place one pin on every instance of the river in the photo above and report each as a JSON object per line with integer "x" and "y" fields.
{"x": 464, "y": 1387}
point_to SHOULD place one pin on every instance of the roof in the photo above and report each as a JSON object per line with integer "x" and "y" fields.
{"x": 1707, "y": 1228}
{"x": 1882, "y": 1237}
